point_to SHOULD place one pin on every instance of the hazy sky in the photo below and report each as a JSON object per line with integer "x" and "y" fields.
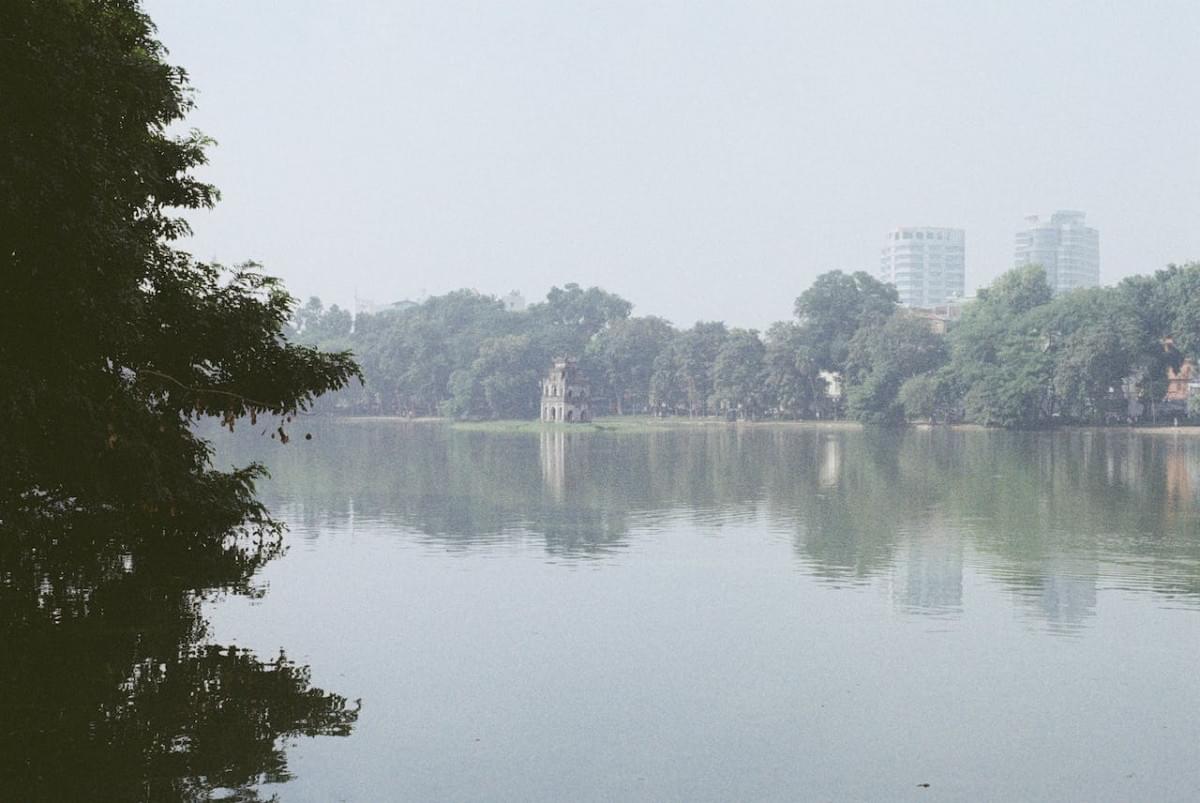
{"x": 705, "y": 160}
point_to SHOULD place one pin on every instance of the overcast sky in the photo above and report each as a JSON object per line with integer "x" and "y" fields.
{"x": 706, "y": 160}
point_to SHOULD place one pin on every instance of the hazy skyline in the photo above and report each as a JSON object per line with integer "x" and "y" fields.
{"x": 704, "y": 160}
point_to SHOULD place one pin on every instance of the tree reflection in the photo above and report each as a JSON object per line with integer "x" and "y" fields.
{"x": 110, "y": 688}
{"x": 1044, "y": 514}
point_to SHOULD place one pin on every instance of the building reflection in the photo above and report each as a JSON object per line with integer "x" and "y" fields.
{"x": 1063, "y": 594}
{"x": 830, "y": 470}
{"x": 1033, "y": 513}
{"x": 553, "y": 452}
{"x": 1182, "y": 484}
{"x": 928, "y": 573}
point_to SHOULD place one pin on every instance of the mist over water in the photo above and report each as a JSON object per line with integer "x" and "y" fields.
{"x": 714, "y": 612}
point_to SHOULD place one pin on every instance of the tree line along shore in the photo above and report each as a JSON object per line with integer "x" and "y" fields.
{"x": 1016, "y": 356}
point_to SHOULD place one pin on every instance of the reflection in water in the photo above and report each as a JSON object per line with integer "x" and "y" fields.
{"x": 110, "y": 688}
{"x": 1066, "y": 593}
{"x": 831, "y": 465}
{"x": 715, "y": 612}
{"x": 554, "y": 462}
{"x": 1050, "y": 516}
{"x": 928, "y": 575}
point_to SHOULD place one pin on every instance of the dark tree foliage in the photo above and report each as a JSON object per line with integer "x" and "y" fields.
{"x": 112, "y": 342}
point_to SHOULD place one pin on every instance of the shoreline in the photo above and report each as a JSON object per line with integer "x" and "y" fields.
{"x": 618, "y": 424}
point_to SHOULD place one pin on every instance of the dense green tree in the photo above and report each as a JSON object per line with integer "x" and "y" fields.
{"x": 409, "y": 356}
{"x": 1019, "y": 356}
{"x": 1095, "y": 342}
{"x": 422, "y": 360}
{"x": 1000, "y": 352}
{"x": 112, "y": 342}
{"x": 792, "y": 380}
{"x": 1177, "y": 289}
{"x": 314, "y": 325}
{"x": 1151, "y": 309}
{"x": 668, "y": 393}
{"x": 683, "y": 377}
{"x": 881, "y": 359}
{"x": 621, "y": 360}
{"x": 836, "y": 306}
{"x": 502, "y": 382}
{"x": 564, "y": 324}
{"x": 738, "y": 374}
{"x": 933, "y": 396}
{"x": 1019, "y": 290}
{"x": 1017, "y": 390}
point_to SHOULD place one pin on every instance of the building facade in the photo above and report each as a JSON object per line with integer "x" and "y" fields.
{"x": 939, "y": 317}
{"x": 1065, "y": 246}
{"x": 927, "y": 265}
{"x": 566, "y": 395}
{"x": 513, "y": 301}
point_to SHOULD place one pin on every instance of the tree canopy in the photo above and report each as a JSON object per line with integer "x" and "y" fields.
{"x": 836, "y": 306}
{"x": 1018, "y": 356}
{"x": 113, "y": 341}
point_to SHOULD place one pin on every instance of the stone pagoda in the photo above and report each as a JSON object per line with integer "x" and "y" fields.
{"x": 565, "y": 393}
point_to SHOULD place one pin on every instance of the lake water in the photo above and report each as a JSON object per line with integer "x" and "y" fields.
{"x": 719, "y": 613}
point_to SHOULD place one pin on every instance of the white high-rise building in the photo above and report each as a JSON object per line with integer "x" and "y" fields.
{"x": 926, "y": 264}
{"x": 1065, "y": 247}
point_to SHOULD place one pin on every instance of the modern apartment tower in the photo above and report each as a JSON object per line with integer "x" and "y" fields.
{"x": 926, "y": 265}
{"x": 1065, "y": 247}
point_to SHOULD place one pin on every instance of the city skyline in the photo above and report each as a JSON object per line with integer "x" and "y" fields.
{"x": 1066, "y": 248}
{"x": 947, "y": 282}
{"x": 926, "y": 264}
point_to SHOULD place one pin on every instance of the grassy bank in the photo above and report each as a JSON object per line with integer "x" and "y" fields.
{"x": 628, "y": 424}
{"x": 633, "y": 424}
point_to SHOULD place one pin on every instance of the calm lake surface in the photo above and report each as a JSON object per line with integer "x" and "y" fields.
{"x": 721, "y": 613}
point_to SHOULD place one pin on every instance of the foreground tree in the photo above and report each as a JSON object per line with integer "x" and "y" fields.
{"x": 113, "y": 343}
